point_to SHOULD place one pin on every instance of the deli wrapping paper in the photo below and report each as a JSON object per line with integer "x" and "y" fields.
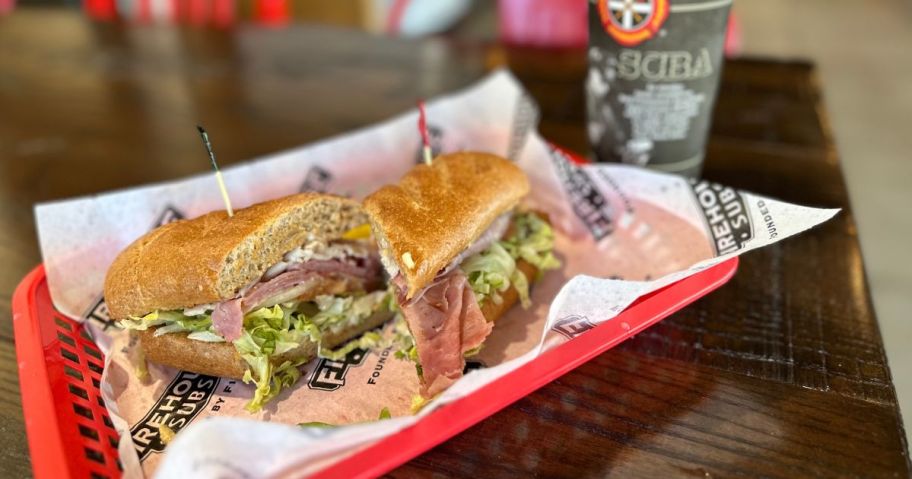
{"x": 621, "y": 232}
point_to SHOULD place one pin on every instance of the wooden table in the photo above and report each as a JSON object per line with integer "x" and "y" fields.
{"x": 781, "y": 373}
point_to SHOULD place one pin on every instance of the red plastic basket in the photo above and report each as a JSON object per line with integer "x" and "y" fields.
{"x": 69, "y": 431}
{"x": 71, "y": 435}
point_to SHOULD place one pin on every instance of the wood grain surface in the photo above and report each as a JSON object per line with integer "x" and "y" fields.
{"x": 780, "y": 373}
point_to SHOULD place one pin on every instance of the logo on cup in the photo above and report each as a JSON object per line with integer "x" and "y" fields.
{"x": 631, "y": 22}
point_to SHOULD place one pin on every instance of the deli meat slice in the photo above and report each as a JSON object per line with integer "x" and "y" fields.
{"x": 301, "y": 278}
{"x": 445, "y": 322}
{"x": 313, "y": 277}
{"x": 365, "y": 268}
{"x": 274, "y": 290}
{"x": 228, "y": 319}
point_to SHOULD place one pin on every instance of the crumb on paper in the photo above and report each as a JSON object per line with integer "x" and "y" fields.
{"x": 418, "y": 403}
{"x": 166, "y": 434}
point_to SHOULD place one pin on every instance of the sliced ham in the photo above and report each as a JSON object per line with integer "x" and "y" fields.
{"x": 365, "y": 268}
{"x": 228, "y": 319}
{"x": 284, "y": 287}
{"x": 311, "y": 278}
{"x": 446, "y": 322}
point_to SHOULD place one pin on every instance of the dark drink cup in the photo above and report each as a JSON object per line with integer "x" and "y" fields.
{"x": 654, "y": 68}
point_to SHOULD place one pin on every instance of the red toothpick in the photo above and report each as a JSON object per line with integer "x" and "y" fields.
{"x": 422, "y": 128}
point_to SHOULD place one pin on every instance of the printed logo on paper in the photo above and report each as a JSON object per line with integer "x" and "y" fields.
{"x": 572, "y": 326}
{"x": 588, "y": 202}
{"x": 179, "y": 404}
{"x": 99, "y": 312}
{"x": 170, "y": 215}
{"x": 435, "y": 138}
{"x": 725, "y": 212}
{"x": 631, "y": 22}
{"x": 329, "y": 374}
{"x": 317, "y": 179}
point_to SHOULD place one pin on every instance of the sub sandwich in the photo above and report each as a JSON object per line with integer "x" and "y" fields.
{"x": 252, "y": 296}
{"x": 460, "y": 252}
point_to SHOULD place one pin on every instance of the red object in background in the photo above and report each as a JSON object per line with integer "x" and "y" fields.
{"x": 178, "y": 11}
{"x": 733, "y": 36}
{"x": 143, "y": 12}
{"x": 7, "y": 6}
{"x": 394, "y": 19}
{"x": 223, "y": 13}
{"x": 544, "y": 23}
{"x": 422, "y": 125}
{"x": 198, "y": 12}
{"x": 564, "y": 24}
{"x": 100, "y": 9}
{"x": 272, "y": 12}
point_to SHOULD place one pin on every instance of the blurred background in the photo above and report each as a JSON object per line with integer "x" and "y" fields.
{"x": 863, "y": 52}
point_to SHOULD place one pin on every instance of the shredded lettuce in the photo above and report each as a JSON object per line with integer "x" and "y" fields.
{"x": 316, "y": 424}
{"x": 335, "y": 311}
{"x": 492, "y": 271}
{"x": 271, "y": 332}
{"x": 276, "y": 330}
{"x": 137, "y": 358}
{"x": 257, "y": 349}
{"x": 205, "y": 336}
{"x": 368, "y": 340}
{"x": 473, "y": 352}
{"x": 521, "y": 285}
{"x": 404, "y": 343}
{"x": 155, "y": 318}
{"x": 533, "y": 241}
{"x": 384, "y": 414}
{"x": 339, "y": 312}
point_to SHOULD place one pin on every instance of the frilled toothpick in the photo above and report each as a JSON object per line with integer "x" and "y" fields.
{"x": 215, "y": 169}
{"x": 425, "y": 138}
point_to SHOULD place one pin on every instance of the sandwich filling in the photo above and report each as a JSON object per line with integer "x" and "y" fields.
{"x": 316, "y": 289}
{"x": 445, "y": 318}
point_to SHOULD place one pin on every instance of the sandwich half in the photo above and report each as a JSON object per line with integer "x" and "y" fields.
{"x": 252, "y": 296}
{"x": 460, "y": 253}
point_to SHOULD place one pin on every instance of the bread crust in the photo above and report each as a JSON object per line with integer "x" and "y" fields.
{"x": 210, "y": 258}
{"x": 437, "y": 211}
{"x": 222, "y": 359}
